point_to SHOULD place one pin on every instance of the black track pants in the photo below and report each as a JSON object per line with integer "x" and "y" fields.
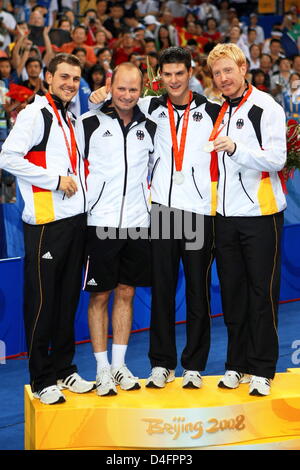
{"x": 248, "y": 262}
{"x": 53, "y": 275}
{"x": 166, "y": 256}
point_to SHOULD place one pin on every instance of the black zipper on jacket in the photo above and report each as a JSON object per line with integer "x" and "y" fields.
{"x": 81, "y": 184}
{"x": 224, "y": 166}
{"x": 241, "y": 181}
{"x": 193, "y": 175}
{"x": 98, "y": 199}
{"x": 145, "y": 198}
{"x": 125, "y": 131}
{"x": 153, "y": 169}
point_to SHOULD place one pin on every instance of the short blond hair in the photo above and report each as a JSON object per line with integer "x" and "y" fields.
{"x": 226, "y": 51}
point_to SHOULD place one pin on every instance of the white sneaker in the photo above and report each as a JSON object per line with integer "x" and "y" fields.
{"x": 191, "y": 379}
{"x": 125, "y": 378}
{"x": 159, "y": 377}
{"x": 105, "y": 384}
{"x": 233, "y": 379}
{"x": 259, "y": 386}
{"x": 50, "y": 395}
{"x": 75, "y": 384}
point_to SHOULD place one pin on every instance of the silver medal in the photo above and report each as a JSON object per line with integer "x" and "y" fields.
{"x": 209, "y": 147}
{"x": 178, "y": 177}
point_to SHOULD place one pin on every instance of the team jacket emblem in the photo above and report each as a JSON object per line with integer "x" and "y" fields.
{"x": 162, "y": 115}
{"x": 140, "y": 135}
{"x": 239, "y": 123}
{"x": 197, "y": 116}
{"x": 107, "y": 134}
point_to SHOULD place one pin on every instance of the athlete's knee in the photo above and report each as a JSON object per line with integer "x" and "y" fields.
{"x": 124, "y": 292}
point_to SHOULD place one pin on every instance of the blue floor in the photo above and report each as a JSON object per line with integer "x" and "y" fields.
{"x": 13, "y": 374}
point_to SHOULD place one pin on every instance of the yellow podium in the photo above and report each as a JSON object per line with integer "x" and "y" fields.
{"x": 171, "y": 418}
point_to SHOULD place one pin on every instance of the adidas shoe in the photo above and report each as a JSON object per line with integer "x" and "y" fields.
{"x": 191, "y": 379}
{"x": 259, "y": 386}
{"x": 105, "y": 384}
{"x": 125, "y": 379}
{"x": 50, "y": 395}
{"x": 233, "y": 379}
{"x": 75, "y": 384}
{"x": 159, "y": 377}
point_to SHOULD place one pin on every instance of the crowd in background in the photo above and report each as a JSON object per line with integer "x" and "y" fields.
{"x": 103, "y": 34}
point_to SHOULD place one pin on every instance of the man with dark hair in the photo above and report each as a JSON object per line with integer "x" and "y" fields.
{"x": 41, "y": 152}
{"x": 183, "y": 187}
{"x": 34, "y": 67}
{"x": 115, "y": 22}
{"x": 79, "y": 37}
{"x": 118, "y": 202}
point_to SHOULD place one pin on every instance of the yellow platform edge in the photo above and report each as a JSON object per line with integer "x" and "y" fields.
{"x": 172, "y": 418}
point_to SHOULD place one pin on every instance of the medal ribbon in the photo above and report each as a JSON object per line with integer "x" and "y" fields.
{"x": 215, "y": 132}
{"x": 179, "y": 154}
{"x": 72, "y": 151}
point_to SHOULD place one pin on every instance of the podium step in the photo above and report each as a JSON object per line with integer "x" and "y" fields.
{"x": 170, "y": 418}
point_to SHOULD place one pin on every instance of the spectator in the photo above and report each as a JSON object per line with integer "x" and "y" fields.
{"x": 101, "y": 8}
{"x": 166, "y": 18}
{"x": 254, "y": 56}
{"x": 280, "y": 79}
{"x": 194, "y": 83}
{"x": 64, "y": 24}
{"x": 6, "y": 74}
{"x": 150, "y": 46}
{"x": 207, "y": 10}
{"x": 211, "y": 32}
{"x": 115, "y": 22}
{"x": 266, "y": 67}
{"x": 260, "y": 35}
{"x": 7, "y": 24}
{"x": 163, "y": 38}
{"x": 96, "y": 77}
{"x": 291, "y": 98}
{"x": 138, "y": 60}
{"x": 146, "y": 7}
{"x": 104, "y": 58}
{"x": 225, "y": 13}
{"x": 123, "y": 47}
{"x": 79, "y": 37}
{"x": 81, "y": 54}
{"x": 34, "y": 68}
{"x": 130, "y": 9}
{"x": 296, "y": 64}
{"x": 275, "y": 34}
{"x": 101, "y": 40}
{"x": 152, "y": 26}
{"x": 249, "y": 39}
{"x": 259, "y": 80}
{"x": 178, "y": 10}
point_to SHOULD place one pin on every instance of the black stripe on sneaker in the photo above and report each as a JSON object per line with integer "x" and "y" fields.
{"x": 66, "y": 382}
{"x": 72, "y": 383}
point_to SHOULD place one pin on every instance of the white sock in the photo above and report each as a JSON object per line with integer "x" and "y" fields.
{"x": 118, "y": 355}
{"x": 102, "y": 360}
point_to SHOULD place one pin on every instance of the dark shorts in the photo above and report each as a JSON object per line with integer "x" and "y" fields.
{"x": 117, "y": 260}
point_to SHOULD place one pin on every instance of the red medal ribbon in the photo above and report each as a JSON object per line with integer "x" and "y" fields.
{"x": 179, "y": 154}
{"x": 215, "y": 132}
{"x": 72, "y": 151}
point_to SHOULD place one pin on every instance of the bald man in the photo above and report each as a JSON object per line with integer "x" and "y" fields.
{"x": 117, "y": 143}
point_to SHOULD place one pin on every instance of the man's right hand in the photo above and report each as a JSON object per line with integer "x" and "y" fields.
{"x": 100, "y": 95}
{"x": 68, "y": 186}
